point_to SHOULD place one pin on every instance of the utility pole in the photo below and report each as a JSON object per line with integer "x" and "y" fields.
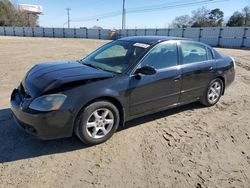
{"x": 123, "y": 15}
{"x": 68, "y": 9}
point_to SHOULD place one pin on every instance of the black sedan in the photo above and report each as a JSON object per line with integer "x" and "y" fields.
{"x": 123, "y": 80}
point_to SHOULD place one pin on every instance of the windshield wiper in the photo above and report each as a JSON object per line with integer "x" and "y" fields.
{"x": 91, "y": 65}
{"x": 97, "y": 67}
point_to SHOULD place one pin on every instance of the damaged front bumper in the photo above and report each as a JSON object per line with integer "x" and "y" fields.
{"x": 44, "y": 125}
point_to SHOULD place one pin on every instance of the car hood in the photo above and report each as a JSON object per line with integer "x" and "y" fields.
{"x": 49, "y": 76}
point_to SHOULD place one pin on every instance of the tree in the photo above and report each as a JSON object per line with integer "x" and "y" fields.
{"x": 10, "y": 16}
{"x": 182, "y": 22}
{"x": 216, "y": 18}
{"x": 237, "y": 19}
{"x": 246, "y": 14}
{"x": 200, "y": 17}
{"x": 7, "y": 13}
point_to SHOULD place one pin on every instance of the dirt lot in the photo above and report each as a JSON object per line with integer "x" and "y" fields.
{"x": 190, "y": 146}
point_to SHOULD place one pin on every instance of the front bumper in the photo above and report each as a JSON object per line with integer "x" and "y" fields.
{"x": 44, "y": 125}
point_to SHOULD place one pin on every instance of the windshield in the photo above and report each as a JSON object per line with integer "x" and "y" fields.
{"x": 116, "y": 56}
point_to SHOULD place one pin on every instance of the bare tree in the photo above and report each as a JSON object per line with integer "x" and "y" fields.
{"x": 10, "y": 16}
{"x": 246, "y": 14}
{"x": 182, "y": 22}
{"x": 200, "y": 17}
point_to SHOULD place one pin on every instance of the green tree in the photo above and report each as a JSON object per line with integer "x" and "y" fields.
{"x": 216, "y": 18}
{"x": 237, "y": 19}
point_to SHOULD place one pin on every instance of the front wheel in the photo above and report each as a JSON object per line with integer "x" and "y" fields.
{"x": 213, "y": 93}
{"x": 97, "y": 122}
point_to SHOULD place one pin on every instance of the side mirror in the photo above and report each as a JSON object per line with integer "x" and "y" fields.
{"x": 147, "y": 70}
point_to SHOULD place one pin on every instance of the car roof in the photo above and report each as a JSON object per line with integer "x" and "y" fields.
{"x": 151, "y": 39}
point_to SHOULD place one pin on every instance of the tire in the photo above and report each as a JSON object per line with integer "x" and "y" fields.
{"x": 213, "y": 93}
{"x": 97, "y": 122}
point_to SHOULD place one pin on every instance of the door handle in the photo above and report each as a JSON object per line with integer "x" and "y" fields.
{"x": 211, "y": 69}
{"x": 177, "y": 78}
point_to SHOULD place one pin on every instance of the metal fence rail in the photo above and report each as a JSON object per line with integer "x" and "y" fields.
{"x": 55, "y": 32}
{"x": 233, "y": 37}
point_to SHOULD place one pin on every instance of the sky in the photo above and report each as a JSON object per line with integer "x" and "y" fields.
{"x": 55, "y": 14}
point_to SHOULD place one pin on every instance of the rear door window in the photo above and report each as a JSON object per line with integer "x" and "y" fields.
{"x": 193, "y": 52}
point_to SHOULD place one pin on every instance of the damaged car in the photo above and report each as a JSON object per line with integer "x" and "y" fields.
{"x": 124, "y": 79}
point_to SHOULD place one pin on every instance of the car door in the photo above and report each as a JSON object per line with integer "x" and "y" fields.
{"x": 197, "y": 67}
{"x": 154, "y": 92}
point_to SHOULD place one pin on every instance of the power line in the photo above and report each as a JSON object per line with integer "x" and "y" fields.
{"x": 100, "y": 16}
{"x": 181, "y": 5}
{"x": 177, "y": 4}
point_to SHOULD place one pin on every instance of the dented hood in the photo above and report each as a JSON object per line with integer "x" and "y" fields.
{"x": 45, "y": 77}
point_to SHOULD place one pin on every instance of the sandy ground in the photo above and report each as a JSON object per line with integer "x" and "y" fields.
{"x": 190, "y": 146}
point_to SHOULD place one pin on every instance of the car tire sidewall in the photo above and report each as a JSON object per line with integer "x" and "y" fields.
{"x": 83, "y": 118}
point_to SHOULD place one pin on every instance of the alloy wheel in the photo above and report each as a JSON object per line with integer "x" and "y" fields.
{"x": 214, "y": 92}
{"x": 100, "y": 123}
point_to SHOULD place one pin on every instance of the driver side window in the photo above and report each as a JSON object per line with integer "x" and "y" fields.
{"x": 162, "y": 56}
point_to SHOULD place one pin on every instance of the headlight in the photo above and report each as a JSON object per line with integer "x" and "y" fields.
{"x": 48, "y": 102}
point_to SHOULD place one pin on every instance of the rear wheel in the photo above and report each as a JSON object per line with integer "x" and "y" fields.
{"x": 97, "y": 122}
{"x": 213, "y": 92}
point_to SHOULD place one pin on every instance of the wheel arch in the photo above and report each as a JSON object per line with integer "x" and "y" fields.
{"x": 110, "y": 99}
{"x": 223, "y": 81}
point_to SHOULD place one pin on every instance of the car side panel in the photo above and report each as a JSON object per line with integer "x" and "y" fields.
{"x": 115, "y": 88}
{"x": 195, "y": 78}
{"x": 155, "y": 91}
{"x": 225, "y": 69}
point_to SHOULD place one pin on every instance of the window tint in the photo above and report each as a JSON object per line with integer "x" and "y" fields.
{"x": 193, "y": 52}
{"x": 209, "y": 54}
{"x": 114, "y": 51}
{"x": 162, "y": 56}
